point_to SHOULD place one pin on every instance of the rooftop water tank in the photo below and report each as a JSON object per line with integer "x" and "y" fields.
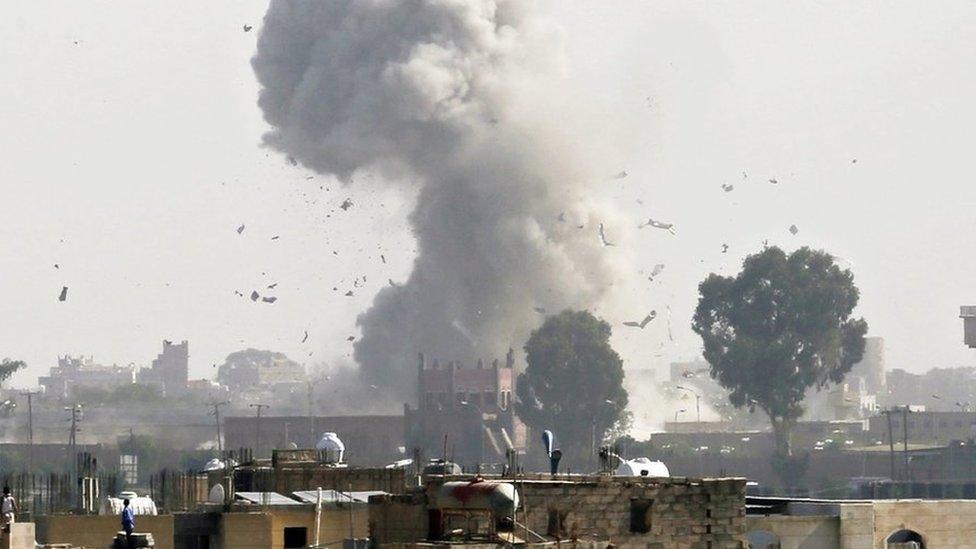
{"x": 642, "y": 467}
{"x": 331, "y": 443}
{"x": 498, "y": 497}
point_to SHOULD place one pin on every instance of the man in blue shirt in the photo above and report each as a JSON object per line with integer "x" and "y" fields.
{"x": 128, "y": 521}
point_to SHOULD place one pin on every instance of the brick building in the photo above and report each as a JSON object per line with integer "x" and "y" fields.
{"x": 466, "y": 411}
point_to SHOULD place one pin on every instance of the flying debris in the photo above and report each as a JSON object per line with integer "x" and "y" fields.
{"x": 651, "y": 222}
{"x": 853, "y": 161}
{"x": 350, "y": 338}
{"x": 773, "y": 181}
{"x": 936, "y": 397}
{"x": 240, "y": 229}
{"x": 793, "y": 229}
{"x": 275, "y": 237}
{"x": 349, "y": 293}
{"x": 539, "y": 310}
{"x": 304, "y": 339}
{"x": 727, "y": 187}
{"x": 620, "y": 175}
{"x": 272, "y": 286}
{"x": 247, "y": 28}
{"x": 64, "y": 293}
{"x": 670, "y": 335}
{"x": 561, "y": 217}
{"x": 346, "y": 204}
{"x": 238, "y": 292}
{"x": 394, "y": 284}
{"x": 269, "y": 299}
{"x": 642, "y": 323}
{"x": 383, "y": 258}
{"x": 255, "y": 295}
{"x": 658, "y": 269}
{"x": 725, "y": 248}
{"x": 291, "y": 160}
{"x": 603, "y": 237}
{"x": 56, "y": 266}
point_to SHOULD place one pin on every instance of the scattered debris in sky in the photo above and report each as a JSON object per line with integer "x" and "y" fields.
{"x": 255, "y": 295}
{"x": 64, "y": 293}
{"x": 247, "y": 28}
{"x": 305, "y": 338}
{"x": 725, "y": 248}
{"x": 651, "y": 222}
{"x": 346, "y": 204}
{"x": 773, "y": 181}
{"x": 269, "y": 299}
{"x": 349, "y": 293}
{"x": 620, "y": 175}
{"x": 647, "y": 319}
{"x": 727, "y": 187}
{"x": 240, "y": 229}
{"x": 794, "y": 230}
{"x": 603, "y": 237}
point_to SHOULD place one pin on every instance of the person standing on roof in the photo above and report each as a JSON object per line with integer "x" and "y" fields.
{"x": 8, "y": 508}
{"x": 128, "y": 521}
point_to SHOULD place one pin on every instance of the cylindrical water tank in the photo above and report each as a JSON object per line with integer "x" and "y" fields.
{"x": 331, "y": 443}
{"x": 642, "y": 467}
{"x": 498, "y": 497}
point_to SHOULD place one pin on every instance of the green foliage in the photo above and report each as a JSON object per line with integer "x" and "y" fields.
{"x": 573, "y": 383}
{"x": 781, "y": 326}
{"x": 8, "y": 367}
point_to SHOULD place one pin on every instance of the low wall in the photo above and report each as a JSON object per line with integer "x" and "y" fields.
{"x": 99, "y": 531}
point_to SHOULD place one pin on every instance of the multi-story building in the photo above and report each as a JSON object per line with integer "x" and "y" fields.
{"x": 80, "y": 372}
{"x": 466, "y": 411}
{"x": 170, "y": 369}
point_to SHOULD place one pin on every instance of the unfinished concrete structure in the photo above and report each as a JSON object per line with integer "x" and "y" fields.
{"x": 170, "y": 369}
{"x": 83, "y": 372}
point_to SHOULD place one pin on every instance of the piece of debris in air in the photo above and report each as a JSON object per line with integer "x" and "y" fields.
{"x": 642, "y": 323}
{"x": 793, "y": 229}
{"x": 247, "y": 28}
{"x": 603, "y": 237}
{"x": 304, "y": 339}
{"x": 773, "y": 181}
{"x": 620, "y": 175}
{"x": 237, "y": 292}
{"x": 383, "y": 258}
{"x": 725, "y": 248}
{"x": 255, "y": 295}
{"x": 272, "y": 286}
{"x": 64, "y": 293}
{"x": 240, "y": 229}
{"x": 346, "y": 204}
{"x": 651, "y": 222}
{"x": 350, "y": 338}
{"x": 539, "y": 310}
{"x": 394, "y": 284}
{"x": 349, "y": 293}
{"x": 269, "y": 299}
{"x": 292, "y": 161}
{"x": 275, "y": 237}
{"x": 56, "y": 266}
{"x": 656, "y": 271}
{"x": 727, "y": 187}
{"x": 561, "y": 217}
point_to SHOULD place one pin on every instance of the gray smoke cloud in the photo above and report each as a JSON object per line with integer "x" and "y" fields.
{"x": 463, "y": 102}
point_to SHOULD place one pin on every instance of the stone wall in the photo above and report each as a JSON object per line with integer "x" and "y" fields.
{"x": 397, "y": 518}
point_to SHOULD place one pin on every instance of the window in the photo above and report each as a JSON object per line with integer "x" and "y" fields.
{"x": 640, "y": 515}
{"x": 129, "y": 467}
{"x": 296, "y": 536}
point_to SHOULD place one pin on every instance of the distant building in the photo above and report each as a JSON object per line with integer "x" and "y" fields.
{"x": 472, "y": 407}
{"x": 871, "y": 368}
{"x": 80, "y": 372}
{"x": 170, "y": 369}
{"x": 252, "y": 368}
{"x": 968, "y": 315}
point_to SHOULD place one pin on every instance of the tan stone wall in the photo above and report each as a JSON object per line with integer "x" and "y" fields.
{"x": 289, "y": 479}
{"x": 942, "y": 523}
{"x": 266, "y": 529}
{"x": 99, "y": 531}
{"x": 245, "y": 531}
{"x": 799, "y": 532}
{"x": 399, "y": 518}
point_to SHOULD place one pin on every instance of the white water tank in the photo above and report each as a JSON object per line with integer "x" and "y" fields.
{"x": 140, "y": 505}
{"x": 499, "y": 497}
{"x": 642, "y": 467}
{"x": 331, "y": 443}
{"x": 214, "y": 465}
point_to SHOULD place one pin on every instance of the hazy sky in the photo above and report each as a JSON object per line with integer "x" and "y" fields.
{"x": 130, "y": 156}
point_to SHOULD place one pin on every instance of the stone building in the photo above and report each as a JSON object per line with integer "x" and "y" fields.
{"x": 624, "y": 511}
{"x": 467, "y": 412}
{"x": 83, "y": 372}
{"x": 170, "y": 369}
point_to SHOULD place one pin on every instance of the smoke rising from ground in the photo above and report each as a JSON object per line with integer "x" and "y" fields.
{"x": 462, "y": 102}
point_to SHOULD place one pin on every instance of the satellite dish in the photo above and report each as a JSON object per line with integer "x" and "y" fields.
{"x": 216, "y": 494}
{"x": 292, "y": 446}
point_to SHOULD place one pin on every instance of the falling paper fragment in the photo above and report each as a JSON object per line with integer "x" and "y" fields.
{"x": 275, "y": 237}
{"x": 793, "y": 229}
{"x": 725, "y": 248}
{"x": 773, "y": 180}
{"x": 255, "y": 295}
{"x": 247, "y": 28}
{"x": 349, "y": 293}
{"x": 603, "y": 237}
{"x": 658, "y": 269}
{"x": 240, "y": 229}
{"x": 304, "y": 339}
{"x": 269, "y": 299}
{"x": 620, "y": 175}
{"x": 651, "y": 222}
{"x": 64, "y": 294}
{"x": 727, "y": 187}
{"x": 350, "y": 338}
{"x": 346, "y": 204}
{"x": 647, "y": 319}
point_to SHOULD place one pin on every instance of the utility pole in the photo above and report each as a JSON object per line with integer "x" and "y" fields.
{"x": 904, "y": 424}
{"x": 72, "y": 437}
{"x": 216, "y": 414}
{"x": 891, "y": 444}
{"x": 30, "y": 430}
{"x": 311, "y": 421}
{"x": 257, "y": 426}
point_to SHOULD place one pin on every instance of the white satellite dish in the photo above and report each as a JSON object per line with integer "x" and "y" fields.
{"x": 216, "y": 494}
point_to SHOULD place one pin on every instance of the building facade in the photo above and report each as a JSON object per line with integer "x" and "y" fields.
{"x": 170, "y": 369}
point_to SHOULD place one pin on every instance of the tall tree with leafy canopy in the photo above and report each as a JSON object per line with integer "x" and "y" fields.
{"x": 573, "y": 383}
{"x": 781, "y": 326}
{"x": 8, "y": 367}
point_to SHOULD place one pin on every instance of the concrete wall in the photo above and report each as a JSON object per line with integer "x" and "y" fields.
{"x": 810, "y": 532}
{"x": 265, "y": 529}
{"x": 943, "y": 523}
{"x": 99, "y": 531}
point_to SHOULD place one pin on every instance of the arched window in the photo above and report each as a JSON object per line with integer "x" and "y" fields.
{"x": 905, "y": 539}
{"x": 762, "y": 539}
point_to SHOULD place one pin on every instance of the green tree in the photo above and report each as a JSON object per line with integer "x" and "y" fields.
{"x": 8, "y": 367}
{"x": 781, "y": 326}
{"x": 573, "y": 383}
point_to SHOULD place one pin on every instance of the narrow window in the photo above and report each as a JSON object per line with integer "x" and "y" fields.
{"x": 640, "y": 515}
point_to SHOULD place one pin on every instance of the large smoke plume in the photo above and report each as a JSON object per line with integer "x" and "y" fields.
{"x": 466, "y": 100}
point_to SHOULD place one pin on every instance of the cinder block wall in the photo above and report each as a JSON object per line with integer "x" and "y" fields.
{"x": 397, "y": 518}
{"x": 99, "y": 531}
